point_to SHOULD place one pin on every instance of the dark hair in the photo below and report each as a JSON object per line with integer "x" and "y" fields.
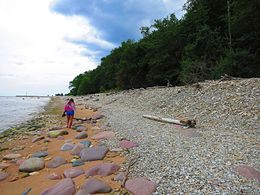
{"x": 71, "y": 100}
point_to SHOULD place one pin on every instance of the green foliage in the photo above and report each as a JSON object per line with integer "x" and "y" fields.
{"x": 192, "y": 49}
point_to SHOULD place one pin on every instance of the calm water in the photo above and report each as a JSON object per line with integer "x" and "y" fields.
{"x": 15, "y": 110}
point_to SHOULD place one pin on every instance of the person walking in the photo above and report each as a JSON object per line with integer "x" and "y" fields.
{"x": 69, "y": 109}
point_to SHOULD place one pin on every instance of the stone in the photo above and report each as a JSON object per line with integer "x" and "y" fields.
{"x": 95, "y": 153}
{"x": 81, "y": 135}
{"x": 54, "y": 176}
{"x": 60, "y": 137}
{"x": 56, "y": 162}
{"x": 77, "y": 149}
{"x": 248, "y": 172}
{"x": 127, "y": 144}
{"x": 55, "y": 128}
{"x": 86, "y": 143}
{"x": 77, "y": 163}
{"x": 12, "y": 156}
{"x": 120, "y": 176}
{"x": 37, "y": 139}
{"x": 80, "y": 128}
{"x": 140, "y": 185}
{"x": 3, "y": 175}
{"x": 73, "y": 172}
{"x": 57, "y": 133}
{"x": 64, "y": 187}
{"x": 103, "y": 169}
{"x": 67, "y": 146}
{"x": 104, "y": 135}
{"x": 97, "y": 116}
{"x": 4, "y": 165}
{"x": 92, "y": 186}
{"x": 40, "y": 154}
{"x": 32, "y": 164}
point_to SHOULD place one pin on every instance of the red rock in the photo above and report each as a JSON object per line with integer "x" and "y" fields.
{"x": 64, "y": 187}
{"x": 93, "y": 186}
{"x": 248, "y": 172}
{"x": 103, "y": 169}
{"x": 104, "y": 135}
{"x": 73, "y": 172}
{"x": 127, "y": 144}
{"x": 140, "y": 186}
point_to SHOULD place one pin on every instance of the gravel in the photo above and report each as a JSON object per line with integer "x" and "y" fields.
{"x": 196, "y": 161}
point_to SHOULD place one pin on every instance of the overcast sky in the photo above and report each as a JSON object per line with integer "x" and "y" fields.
{"x": 44, "y": 44}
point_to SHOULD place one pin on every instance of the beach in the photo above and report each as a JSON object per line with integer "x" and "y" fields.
{"x": 220, "y": 155}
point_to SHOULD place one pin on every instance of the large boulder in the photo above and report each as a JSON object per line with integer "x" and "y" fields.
{"x": 57, "y": 133}
{"x": 64, "y": 187}
{"x": 95, "y": 153}
{"x": 103, "y": 169}
{"x": 31, "y": 165}
{"x": 56, "y": 162}
{"x": 93, "y": 186}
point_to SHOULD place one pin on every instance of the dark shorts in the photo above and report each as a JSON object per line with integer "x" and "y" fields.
{"x": 70, "y": 113}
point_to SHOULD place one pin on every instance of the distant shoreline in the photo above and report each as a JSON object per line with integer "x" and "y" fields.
{"x": 32, "y": 96}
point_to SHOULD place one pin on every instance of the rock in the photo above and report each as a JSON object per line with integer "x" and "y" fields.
{"x": 127, "y": 144}
{"x": 104, "y": 135}
{"x": 97, "y": 116}
{"x": 248, "y": 172}
{"x": 54, "y": 176}
{"x": 80, "y": 128}
{"x": 95, "y": 153}
{"x": 77, "y": 149}
{"x": 40, "y": 154}
{"x": 55, "y": 128}
{"x": 60, "y": 137}
{"x": 68, "y": 140}
{"x": 37, "y": 139}
{"x": 56, "y": 162}
{"x": 81, "y": 135}
{"x": 120, "y": 176}
{"x": 77, "y": 163}
{"x": 67, "y": 146}
{"x": 19, "y": 161}
{"x": 56, "y": 133}
{"x": 103, "y": 169}
{"x": 73, "y": 172}
{"x": 3, "y": 175}
{"x": 93, "y": 186}
{"x": 140, "y": 185}
{"x": 32, "y": 164}
{"x": 86, "y": 143}
{"x": 12, "y": 156}
{"x": 4, "y": 165}
{"x": 64, "y": 187}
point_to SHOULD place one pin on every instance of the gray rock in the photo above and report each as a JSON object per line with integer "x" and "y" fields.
{"x": 86, "y": 143}
{"x": 77, "y": 149}
{"x": 56, "y": 162}
{"x": 12, "y": 156}
{"x": 64, "y": 187}
{"x": 40, "y": 154}
{"x": 95, "y": 153}
{"x": 31, "y": 165}
{"x": 67, "y": 146}
{"x": 73, "y": 172}
{"x": 81, "y": 135}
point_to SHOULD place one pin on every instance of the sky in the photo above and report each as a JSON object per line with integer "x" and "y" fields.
{"x": 45, "y": 44}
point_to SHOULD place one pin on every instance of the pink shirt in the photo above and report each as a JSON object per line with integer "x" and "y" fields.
{"x": 69, "y": 107}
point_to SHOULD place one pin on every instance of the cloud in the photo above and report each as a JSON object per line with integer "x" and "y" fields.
{"x": 119, "y": 20}
{"x": 34, "y": 47}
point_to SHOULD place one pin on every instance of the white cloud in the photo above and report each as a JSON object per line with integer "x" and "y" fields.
{"x": 34, "y": 54}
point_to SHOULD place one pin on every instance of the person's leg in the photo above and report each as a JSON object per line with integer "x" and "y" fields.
{"x": 70, "y": 121}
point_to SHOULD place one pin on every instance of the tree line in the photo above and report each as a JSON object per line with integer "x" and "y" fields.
{"x": 213, "y": 38}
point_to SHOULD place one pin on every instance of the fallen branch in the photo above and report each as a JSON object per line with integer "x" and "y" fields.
{"x": 188, "y": 123}
{"x": 131, "y": 163}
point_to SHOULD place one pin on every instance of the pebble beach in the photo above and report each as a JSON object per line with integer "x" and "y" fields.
{"x": 221, "y": 155}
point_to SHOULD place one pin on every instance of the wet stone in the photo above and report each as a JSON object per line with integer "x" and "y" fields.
{"x": 54, "y": 176}
{"x": 56, "y": 162}
{"x": 140, "y": 185}
{"x": 248, "y": 172}
{"x": 127, "y": 144}
{"x": 67, "y": 146}
{"x": 81, "y": 135}
{"x": 40, "y": 154}
{"x": 93, "y": 186}
{"x": 103, "y": 169}
{"x": 95, "y": 153}
{"x": 64, "y": 187}
{"x": 31, "y": 165}
{"x": 73, "y": 172}
{"x": 104, "y": 135}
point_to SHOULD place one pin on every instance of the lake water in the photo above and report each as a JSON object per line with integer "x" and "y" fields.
{"x": 15, "y": 110}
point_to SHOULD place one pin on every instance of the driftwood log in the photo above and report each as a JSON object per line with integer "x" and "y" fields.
{"x": 187, "y": 123}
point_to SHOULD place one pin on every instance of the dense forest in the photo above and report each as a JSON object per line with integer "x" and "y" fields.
{"x": 213, "y": 38}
